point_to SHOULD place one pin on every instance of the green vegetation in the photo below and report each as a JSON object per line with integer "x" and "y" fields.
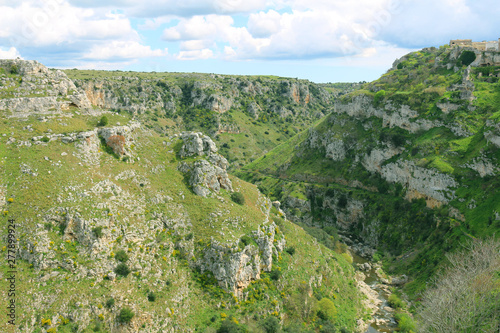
{"x": 103, "y": 121}
{"x": 121, "y": 255}
{"x": 238, "y": 198}
{"x": 122, "y": 269}
{"x": 467, "y": 57}
{"x": 125, "y": 316}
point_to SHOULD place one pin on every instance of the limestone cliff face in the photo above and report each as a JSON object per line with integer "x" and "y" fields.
{"x": 206, "y": 175}
{"x": 235, "y": 268}
{"x": 38, "y": 90}
{"x": 402, "y": 116}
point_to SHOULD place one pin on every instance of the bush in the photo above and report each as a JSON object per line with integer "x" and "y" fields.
{"x": 245, "y": 240}
{"x": 45, "y": 139}
{"x": 290, "y": 250}
{"x": 275, "y": 274}
{"x": 14, "y": 69}
{"x": 327, "y": 310}
{"x": 122, "y": 269}
{"x": 110, "y": 302}
{"x": 405, "y": 322}
{"x": 151, "y": 296}
{"x": 117, "y": 143}
{"x": 467, "y": 57}
{"x": 126, "y": 315}
{"x": 103, "y": 121}
{"x": 396, "y": 302}
{"x": 97, "y": 231}
{"x": 270, "y": 325}
{"x": 121, "y": 255}
{"x": 238, "y": 198}
{"x": 229, "y": 326}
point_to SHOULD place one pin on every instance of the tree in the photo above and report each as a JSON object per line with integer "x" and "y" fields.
{"x": 121, "y": 255}
{"x": 125, "y": 315}
{"x": 467, "y": 57}
{"x": 271, "y": 324}
{"x": 465, "y": 296}
{"x": 238, "y": 198}
{"x": 103, "y": 121}
{"x": 327, "y": 310}
{"x": 117, "y": 143}
{"x": 122, "y": 269}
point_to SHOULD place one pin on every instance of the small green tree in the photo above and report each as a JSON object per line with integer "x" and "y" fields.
{"x": 467, "y": 57}
{"x": 121, "y": 255}
{"x": 110, "y": 302}
{"x": 125, "y": 315}
{"x": 270, "y": 325}
{"x": 122, "y": 269}
{"x": 103, "y": 121}
{"x": 151, "y": 296}
{"x": 97, "y": 231}
{"x": 238, "y": 198}
{"x": 327, "y": 310}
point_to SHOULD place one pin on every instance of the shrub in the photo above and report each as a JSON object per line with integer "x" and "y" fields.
{"x": 270, "y": 325}
{"x": 103, "y": 121}
{"x": 151, "y": 296}
{"x": 110, "y": 302}
{"x": 405, "y": 322}
{"x": 290, "y": 250}
{"x": 97, "y": 231}
{"x": 229, "y": 326}
{"x": 122, "y": 269}
{"x": 467, "y": 57}
{"x": 275, "y": 274}
{"x": 245, "y": 240}
{"x": 327, "y": 310}
{"x": 14, "y": 69}
{"x": 126, "y": 315}
{"x": 117, "y": 143}
{"x": 121, "y": 255}
{"x": 45, "y": 139}
{"x": 238, "y": 198}
{"x": 396, "y": 302}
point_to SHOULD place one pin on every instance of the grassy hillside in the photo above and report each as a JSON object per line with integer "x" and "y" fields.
{"x": 109, "y": 242}
{"x": 408, "y": 164}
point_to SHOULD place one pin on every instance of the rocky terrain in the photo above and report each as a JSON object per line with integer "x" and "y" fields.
{"x": 407, "y": 165}
{"x": 121, "y": 227}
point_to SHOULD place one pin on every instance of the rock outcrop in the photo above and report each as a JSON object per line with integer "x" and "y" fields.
{"x": 38, "y": 91}
{"x": 208, "y": 174}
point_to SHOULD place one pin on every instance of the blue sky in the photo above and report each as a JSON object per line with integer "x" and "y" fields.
{"x": 319, "y": 40}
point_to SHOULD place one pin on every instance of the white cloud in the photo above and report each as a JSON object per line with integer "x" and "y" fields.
{"x": 199, "y": 27}
{"x": 55, "y": 22}
{"x": 195, "y": 54}
{"x": 264, "y": 24}
{"x": 11, "y": 53}
{"x": 123, "y": 50}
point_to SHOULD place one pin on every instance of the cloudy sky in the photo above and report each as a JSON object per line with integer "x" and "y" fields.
{"x": 320, "y": 40}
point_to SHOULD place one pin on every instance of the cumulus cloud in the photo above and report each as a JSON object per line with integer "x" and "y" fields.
{"x": 55, "y": 22}
{"x": 11, "y": 53}
{"x": 195, "y": 54}
{"x": 123, "y": 50}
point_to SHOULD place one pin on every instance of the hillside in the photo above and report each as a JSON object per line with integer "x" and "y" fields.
{"x": 123, "y": 227}
{"x": 247, "y": 115}
{"x": 406, "y": 167}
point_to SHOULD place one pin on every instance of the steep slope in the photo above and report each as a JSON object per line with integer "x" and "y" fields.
{"x": 407, "y": 165}
{"x": 120, "y": 228}
{"x": 248, "y": 115}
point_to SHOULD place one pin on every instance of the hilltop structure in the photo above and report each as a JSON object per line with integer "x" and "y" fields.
{"x": 481, "y": 46}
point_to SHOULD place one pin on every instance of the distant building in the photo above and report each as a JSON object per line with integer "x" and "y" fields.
{"x": 481, "y": 46}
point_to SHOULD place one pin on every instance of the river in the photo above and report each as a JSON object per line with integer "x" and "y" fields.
{"x": 383, "y": 317}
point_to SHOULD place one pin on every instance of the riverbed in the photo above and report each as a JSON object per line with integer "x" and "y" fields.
{"x": 383, "y": 317}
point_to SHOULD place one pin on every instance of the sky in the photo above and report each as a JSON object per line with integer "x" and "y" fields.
{"x": 319, "y": 40}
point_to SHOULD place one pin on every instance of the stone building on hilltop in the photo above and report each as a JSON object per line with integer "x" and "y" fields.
{"x": 481, "y": 46}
